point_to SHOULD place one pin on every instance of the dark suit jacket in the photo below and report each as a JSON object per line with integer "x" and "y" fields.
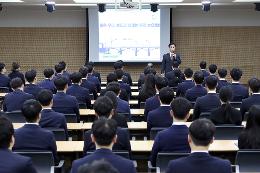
{"x": 247, "y": 141}
{"x": 121, "y": 164}
{"x": 122, "y": 143}
{"x": 248, "y": 102}
{"x": 128, "y": 78}
{"x": 33, "y": 137}
{"x": 94, "y": 80}
{"x": 126, "y": 87}
{"x": 173, "y": 81}
{"x": 141, "y": 80}
{"x": 90, "y": 86}
{"x": 205, "y": 73}
{"x": 15, "y": 163}
{"x": 48, "y": 84}
{"x": 167, "y": 62}
{"x": 206, "y": 104}
{"x": 173, "y": 139}
{"x": 159, "y": 117}
{"x": 50, "y": 118}
{"x": 151, "y": 104}
{"x": 81, "y": 94}
{"x": 32, "y": 89}
{"x": 120, "y": 120}
{"x": 4, "y": 81}
{"x": 199, "y": 162}
{"x": 97, "y": 74}
{"x": 218, "y": 117}
{"x": 239, "y": 92}
{"x": 62, "y": 75}
{"x": 222, "y": 83}
{"x": 193, "y": 93}
{"x": 13, "y": 101}
{"x": 183, "y": 87}
{"x": 15, "y": 74}
{"x": 122, "y": 106}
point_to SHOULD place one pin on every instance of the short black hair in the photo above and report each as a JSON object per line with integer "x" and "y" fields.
{"x": 48, "y": 73}
{"x": 160, "y": 82}
{"x": 113, "y": 86}
{"x": 16, "y": 83}
{"x": 169, "y": 45}
{"x": 111, "y": 77}
{"x": 63, "y": 63}
{"x": 211, "y": 82}
{"x": 2, "y": 66}
{"x": 76, "y": 77}
{"x": 254, "y": 85}
{"x": 30, "y": 75}
{"x": 236, "y": 74}
{"x": 203, "y": 64}
{"x": 15, "y": 66}
{"x": 118, "y": 65}
{"x": 45, "y": 97}
{"x": 222, "y": 72}
{"x": 98, "y": 166}
{"x": 58, "y": 68}
{"x": 103, "y": 106}
{"x": 202, "y": 131}
{"x": 188, "y": 72}
{"x": 113, "y": 98}
{"x": 91, "y": 63}
{"x": 104, "y": 130}
{"x": 60, "y": 83}
{"x": 180, "y": 107}
{"x": 6, "y": 132}
{"x": 175, "y": 64}
{"x": 166, "y": 95}
{"x": 213, "y": 68}
{"x": 89, "y": 68}
{"x": 119, "y": 73}
{"x": 31, "y": 110}
{"x": 83, "y": 71}
{"x": 198, "y": 77}
{"x": 225, "y": 94}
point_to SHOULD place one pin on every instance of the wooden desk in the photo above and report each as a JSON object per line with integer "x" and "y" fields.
{"x": 3, "y": 94}
{"x": 135, "y": 94}
{"x": 104, "y": 83}
{"x": 131, "y": 102}
{"x": 70, "y": 146}
{"x": 71, "y": 126}
{"x": 131, "y": 126}
{"x": 192, "y": 110}
{"x": 86, "y": 112}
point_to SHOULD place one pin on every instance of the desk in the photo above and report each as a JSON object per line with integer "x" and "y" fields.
{"x": 131, "y": 102}
{"x": 91, "y": 112}
{"x": 135, "y": 94}
{"x": 71, "y": 126}
{"x": 3, "y": 94}
{"x": 70, "y": 146}
{"x": 131, "y": 126}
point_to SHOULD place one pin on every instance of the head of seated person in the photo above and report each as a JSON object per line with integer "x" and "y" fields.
{"x": 98, "y": 166}
{"x": 103, "y": 107}
{"x": 76, "y": 78}
{"x": 188, "y": 73}
{"x": 203, "y": 65}
{"x": 45, "y": 97}
{"x": 166, "y": 95}
{"x": 118, "y": 65}
{"x": 115, "y": 87}
{"x": 211, "y": 83}
{"x": 175, "y": 65}
{"x": 160, "y": 82}
{"x": 64, "y": 65}
{"x": 2, "y": 68}
{"x": 253, "y": 120}
{"x": 180, "y": 109}
{"x": 198, "y": 77}
{"x": 6, "y": 134}
{"x": 61, "y": 84}
{"x": 15, "y": 66}
{"x": 31, "y": 111}
{"x": 17, "y": 84}
{"x": 48, "y": 73}
{"x": 177, "y": 73}
{"x": 30, "y": 76}
{"x": 222, "y": 73}
{"x": 119, "y": 73}
{"x": 112, "y": 96}
{"x": 254, "y": 85}
{"x": 83, "y": 71}
{"x": 236, "y": 74}
{"x": 111, "y": 77}
{"x": 213, "y": 69}
{"x": 89, "y": 68}
{"x": 59, "y": 68}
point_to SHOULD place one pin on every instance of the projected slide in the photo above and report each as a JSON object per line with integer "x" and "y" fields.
{"x": 131, "y": 35}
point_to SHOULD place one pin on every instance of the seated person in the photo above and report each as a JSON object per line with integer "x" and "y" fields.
{"x": 208, "y": 102}
{"x": 59, "y": 69}
{"x": 48, "y": 83}
{"x": 31, "y": 88}
{"x": 175, "y": 138}
{"x": 63, "y": 102}
{"x": 203, "y": 68}
{"x": 154, "y": 102}
{"x": 201, "y": 135}
{"x": 127, "y": 77}
{"x": 50, "y": 118}
{"x": 64, "y": 69}
{"x": 120, "y": 119}
{"x": 99, "y": 166}
{"x": 249, "y": 138}
{"x": 213, "y": 69}
{"x": 161, "y": 117}
{"x": 254, "y": 99}
{"x": 148, "y": 88}
{"x": 222, "y": 73}
{"x": 185, "y": 85}
{"x": 175, "y": 77}
{"x": 90, "y": 77}
{"x": 4, "y": 80}
{"x": 226, "y": 114}
{"x": 13, "y": 101}
{"x": 104, "y": 135}
{"x": 9, "y": 161}
{"x": 122, "y": 105}
{"x": 147, "y": 70}
{"x": 94, "y": 73}
{"x": 198, "y": 90}
{"x": 31, "y": 136}
{"x": 16, "y": 72}
{"x": 239, "y": 91}
{"x": 81, "y": 93}
{"x": 123, "y": 86}
{"x": 103, "y": 107}
{"x": 87, "y": 84}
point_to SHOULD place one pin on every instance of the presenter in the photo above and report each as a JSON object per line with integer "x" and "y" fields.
{"x": 169, "y": 58}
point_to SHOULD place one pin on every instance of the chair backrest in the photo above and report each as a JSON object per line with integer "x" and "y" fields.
{"x": 205, "y": 114}
{"x": 71, "y": 118}
{"x": 15, "y": 117}
{"x": 154, "y": 132}
{"x": 59, "y": 134}
{"x": 228, "y": 132}
{"x": 126, "y": 115}
{"x": 163, "y": 159}
{"x": 91, "y": 96}
{"x": 248, "y": 160}
{"x": 142, "y": 105}
{"x": 236, "y": 104}
{"x": 4, "y": 90}
{"x": 43, "y": 161}
{"x": 121, "y": 153}
{"x": 82, "y": 106}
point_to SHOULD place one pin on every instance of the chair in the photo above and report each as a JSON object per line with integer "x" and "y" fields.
{"x": 43, "y": 161}
{"x": 205, "y": 114}
{"x": 126, "y": 115}
{"x": 4, "y": 90}
{"x": 71, "y": 118}
{"x": 228, "y": 132}
{"x": 82, "y": 106}
{"x": 248, "y": 160}
{"x": 91, "y": 96}
{"x": 142, "y": 105}
{"x": 15, "y": 117}
{"x": 122, "y": 153}
{"x": 154, "y": 132}
{"x": 236, "y": 104}
{"x": 59, "y": 134}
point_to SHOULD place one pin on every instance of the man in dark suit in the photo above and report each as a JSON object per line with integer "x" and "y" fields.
{"x": 201, "y": 135}
{"x": 47, "y": 83}
{"x": 213, "y": 69}
{"x": 31, "y": 136}
{"x": 185, "y": 85}
{"x": 9, "y": 161}
{"x": 175, "y": 76}
{"x": 154, "y": 102}
{"x": 175, "y": 138}
{"x": 95, "y": 73}
{"x": 81, "y": 93}
{"x": 222, "y": 73}
{"x": 31, "y": 88}
{"x": 13, "y": 101}
{"x": 99, "y": 166}
{"x": 161, "y": 117}
{"x": 90, "y": 77}
{"x": 254, "y": 99}
{"x": 63, "y": 102}
{"x": 50, "y": 118}
{"x": 104, "y": 135}
{"x": 147, "y": 70}
{"x": 4, "y": 80}
{"x": 103, "y": 107}
{"x": 208, "y": 102}
{"x": 203, "y": 68}
{"x": 239, "y": 91}
{"x": 64, "y": 69}
{"x": 123, "y": 86}
{"x": 169, "y": 58}
{"x": 198, "y": 90}
{"x": 127, "y": 77}
{"x": 16, "y": 72}
{"x": 87, "y": 84}
{"x": 59, "y": 69}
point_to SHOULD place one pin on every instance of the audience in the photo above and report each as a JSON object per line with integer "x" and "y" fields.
{"x": 99, "y": 166}
{"x": 212, "y": 69}
{"x": 186, "y": 84}
{"x": 127, "y": 77}
{"x": 90, "y": 77}
{"x": 174, "y": 77}
{"x": 222, "y": 73}
{"x": 87, "y": 84}
{"x": 147, "y": 70}
{"x": 4, "y": 80}
{"x": 203, "y": 68}
{"x": 226, "y": 114}
{"x": 148, "y": 88}
{"x": 94, "y": 73}
{"x": 123, "y": 86}
{"x": 31, "y": 87}
{"x": 16, "y": 72}
{"x": 64, "y": 69}
{"x": 201, "y": 135}
{"x": 59, "y": 69}
{"x": 48, "y": 83}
